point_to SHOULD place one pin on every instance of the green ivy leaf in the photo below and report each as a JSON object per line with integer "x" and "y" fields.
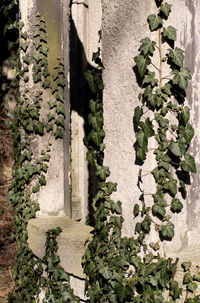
{"x": 142, "y": 63}
{"x": 169, "y": 33}
{"x": 146, "y": 224}
{"x": 187, "y": 133}
{"x": 177, "y": 56}
{"x": 103, "y": 172}
{"x": 106, "y": 273}
{"x": 187, "y": 278}
{"x": 192, "y": 286}
{"x": 147, "y": 46}
{"x": 90, "y": 79}
{"x": 59, "y": 133}
{"x": 189, "y": 164}
{"x": 181, "y": 77}
{"x": 141, "y": 154}
{"x": 138, "y": 113}
{"x": 150, "y": 78}
{"x": 154, "y": 22}
{"x": 60, "y": 122}
{"x": 165, "y": 9}
{"x": 171, "y": 185}
{"x": 142, "y": 140}
{"x": 147, "y": 128}
{"x": 136, "y": 210}
{"x": 186, "y": 265}
{"x": 185, "y": 115}
{"x": 158, "y": 211}
{"x": 176, "y": 205}
{"x": 37, "y": 58}
{"x": 52, "y": 103}
{"x": 42, "y": 180}
{"x": 196, "y": 277}
{"x": 24, "y": 46}
{"x": 35, "y": 188}
{"x": 24, "y": 35}
{"x": 167, "y": 231}
{"x": 60, "y": 110}
{"x": 97, "y": 136}
{"x": 177, "y": 148}
{"x": 39, "y": 128}
{"x": 44, "y": 50}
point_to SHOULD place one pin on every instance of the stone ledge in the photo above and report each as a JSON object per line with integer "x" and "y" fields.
{"x": 71, "y": 241}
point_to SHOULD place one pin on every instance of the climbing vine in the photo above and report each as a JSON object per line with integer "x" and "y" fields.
{"x": 29, "y": 172}
{"x": 121, "y": 269}
{"x": 118, "y": 269}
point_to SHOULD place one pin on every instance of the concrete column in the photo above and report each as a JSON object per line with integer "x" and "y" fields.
{"x": 85, "y": 24}
{"x": 54, "y": 198}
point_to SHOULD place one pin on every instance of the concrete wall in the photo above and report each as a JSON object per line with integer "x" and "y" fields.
{"x": 124, "y": 25}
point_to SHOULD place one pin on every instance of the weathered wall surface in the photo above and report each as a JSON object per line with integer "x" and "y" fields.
{"x": 124, "y": 25}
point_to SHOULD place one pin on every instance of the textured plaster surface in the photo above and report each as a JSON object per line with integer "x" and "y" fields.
{"x": 52, "y": 197}
{"x": 124, "y": 25}
{"x": 71, "y": 246}
{"x": 71, "y": 242}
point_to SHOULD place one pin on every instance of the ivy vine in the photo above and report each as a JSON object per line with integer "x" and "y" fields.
{"x": 118, "y": 269}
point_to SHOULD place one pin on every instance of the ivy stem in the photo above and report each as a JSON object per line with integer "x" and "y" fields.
{"x": 146, "y": 174}
{"x": 160, "y": 53}
{"x": 155, "y": 67}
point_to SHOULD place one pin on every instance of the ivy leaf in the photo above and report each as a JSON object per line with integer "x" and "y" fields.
{"x": 138, "y": 113}
{"x": 142, "y": 140}
{"x": 59, "y": 133}
{"x": 42, "y": 180}
{"x": 24, "y": 35}
{"x": 176, "y": 206}
{"x": 52, "y": 104}
{"x": 39, "y": 128}
{"x": 196, "y": 277}
{"x": 171, "y": 185}
{"x": 35, "y": 188}
{"x": 186, "y": 265}
{"x": 142, "y": 63}
{"x": 181, "y": 77}
{"x": 24, "y": 46}
{"x": 60, "y": 110}
{"x": 167, "y": 89}
{"x": 150, "y": 78}
{"x": 146, "y": 224}
{"x": 177, "y": 148}
{"x": 44, "y": 50}
{"x": 167, "y": 231}
{"x": 136, "y": 210}
{"x": 147, "y": 46}
{"x": 106, "y": 273}
{"x": 103, "y": 172}
{"x": 169, "y": 33}
{"x": 192, "y": 286}
{"x": 154, "y": 22}
{"x": 165, "y": 9}
{"x": 147, "y": 127}
{"x": 60, "y": 122}
{"x": 158, "y": 211}
{"x": 187, "y": 133}
{"x": 187, "y": 278}
{"x": 189, "y": 164}
{"x": 90, "y": 79}
{"x": 141, "y": 154}
{"x": 185, "y": 115}
{"x": 97, "y": 136}
{"x": 177, "y": 56}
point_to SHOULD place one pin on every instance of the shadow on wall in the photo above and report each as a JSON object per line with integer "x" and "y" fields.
{"x": 80, "y": 99}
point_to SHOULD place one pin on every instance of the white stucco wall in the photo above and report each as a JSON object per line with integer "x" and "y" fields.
{"x": 124, "y": 25}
